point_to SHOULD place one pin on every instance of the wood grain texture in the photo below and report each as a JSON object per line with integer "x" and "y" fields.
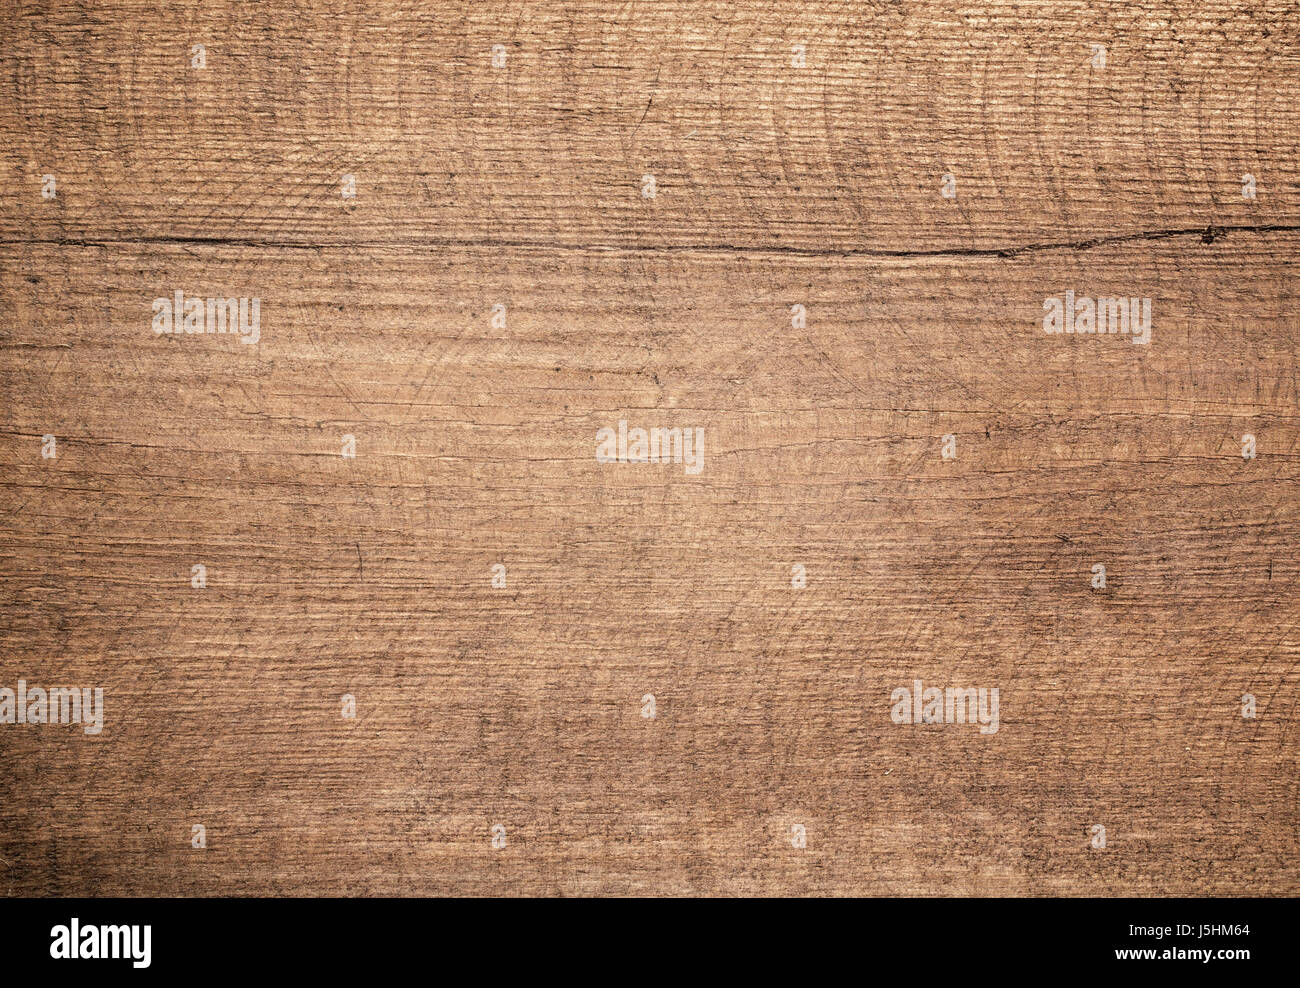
{"x": 776, "y": 186}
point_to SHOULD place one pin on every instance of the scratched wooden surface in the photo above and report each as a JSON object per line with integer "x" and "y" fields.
{"x": 776, "y": 185}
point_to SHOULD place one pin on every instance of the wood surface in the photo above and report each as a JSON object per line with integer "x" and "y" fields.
{"x": 776, "y": 186}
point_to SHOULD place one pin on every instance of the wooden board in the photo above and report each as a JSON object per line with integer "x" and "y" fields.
{"x": 776, "y": 186}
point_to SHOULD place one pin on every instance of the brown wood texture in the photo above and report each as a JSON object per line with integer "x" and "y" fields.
{"x": 776, "y": 185}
